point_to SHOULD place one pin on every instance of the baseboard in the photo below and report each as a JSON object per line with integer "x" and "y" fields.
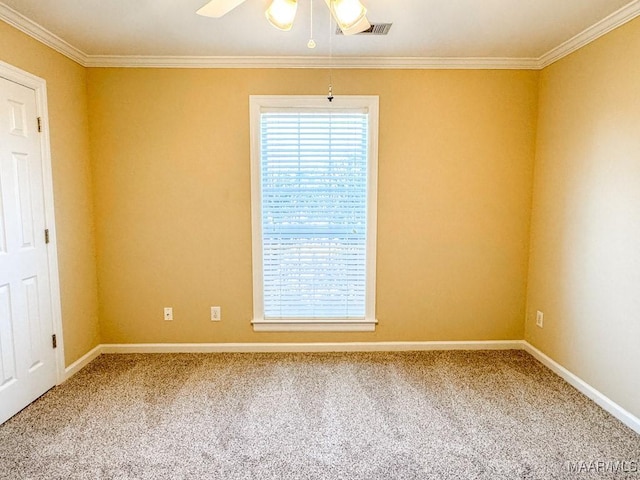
{"x": 82, "y": 362}
{"x": 309, "y": 347}
{"x": 583, "y": 387}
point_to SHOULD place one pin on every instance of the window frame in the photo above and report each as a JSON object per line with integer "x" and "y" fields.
{"x": 258, "y": 103}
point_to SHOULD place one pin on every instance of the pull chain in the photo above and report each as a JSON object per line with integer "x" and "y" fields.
{"x": 311, "y": 43}
{"x": 330, "y": 96}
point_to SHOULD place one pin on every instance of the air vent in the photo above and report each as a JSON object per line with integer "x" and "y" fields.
{"x": 375, "y": 29}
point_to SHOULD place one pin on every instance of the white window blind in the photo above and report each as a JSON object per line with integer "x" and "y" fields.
{"x": 313, "y": 174}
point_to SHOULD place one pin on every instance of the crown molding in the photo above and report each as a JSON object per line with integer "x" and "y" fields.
{"x": 613, "y": 21}
{"x": 41, "y": 34}
{"x": 417, "y": 63}
{"x": 604, "y": 26}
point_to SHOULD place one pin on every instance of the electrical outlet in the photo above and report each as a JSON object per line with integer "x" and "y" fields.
{"x": 168, "y": 313}
{"x": 539, "y": 318}
{"x": 216, "y": 315}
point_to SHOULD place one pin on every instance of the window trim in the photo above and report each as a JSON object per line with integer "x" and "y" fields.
{"x": 347, "y": 102}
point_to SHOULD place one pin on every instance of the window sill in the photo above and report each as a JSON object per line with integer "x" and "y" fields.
{"x": 300, "y": 325}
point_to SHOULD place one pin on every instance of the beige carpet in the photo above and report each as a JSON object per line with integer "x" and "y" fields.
{"x": 431, "y": 415}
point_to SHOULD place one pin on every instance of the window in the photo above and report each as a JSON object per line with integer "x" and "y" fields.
{"x": 314, "y": 179}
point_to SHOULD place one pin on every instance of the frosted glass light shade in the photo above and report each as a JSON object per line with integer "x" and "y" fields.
{"x": 348, "y": 14}
{"x": 360, "y": 26}
{"x": 282, "y": 13}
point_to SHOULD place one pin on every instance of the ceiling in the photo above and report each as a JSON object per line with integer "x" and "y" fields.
{"x": 422, "y": 29}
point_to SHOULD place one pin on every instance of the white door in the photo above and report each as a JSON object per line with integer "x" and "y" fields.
{"x": 27, "y": 358}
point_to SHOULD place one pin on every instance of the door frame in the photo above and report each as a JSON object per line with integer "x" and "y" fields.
{"x": 39, "y": 85}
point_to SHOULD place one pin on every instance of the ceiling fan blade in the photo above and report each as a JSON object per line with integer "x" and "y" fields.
{"x": 362, "y": 25}
{"x": 218, "y": 8}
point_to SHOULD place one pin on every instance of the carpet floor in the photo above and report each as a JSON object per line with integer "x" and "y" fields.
{"x": 414, "y": 415}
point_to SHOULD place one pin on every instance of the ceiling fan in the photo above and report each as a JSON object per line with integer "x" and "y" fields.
{"x": 350, "y": 15}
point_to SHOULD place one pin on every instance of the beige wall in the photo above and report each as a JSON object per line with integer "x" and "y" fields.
{"x": 67, "y": 99}
{"x": 585, "y": 256}
{"x": 172, "y": 202}
{"x": 172, "y": 194}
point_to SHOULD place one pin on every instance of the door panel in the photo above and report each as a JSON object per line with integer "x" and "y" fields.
{"x": 18, "y": 118}
{"x": 7, "y": 350}
{"x": 31, "y": 297}
{"x": 24, "y": 181}
{"x": 3, "y": 237}
{"x": 28, "y": 367}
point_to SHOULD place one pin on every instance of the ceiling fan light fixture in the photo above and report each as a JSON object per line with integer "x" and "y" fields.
{"x": 348, "y": 14}
{"x": 282, "y": 13}
{"x": 362, "y": 25}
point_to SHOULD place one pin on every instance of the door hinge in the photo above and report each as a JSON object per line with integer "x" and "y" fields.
{"x": 54, "y": 341}
{"x": 39, "y": 124}
{"x": 46, "y": 236}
